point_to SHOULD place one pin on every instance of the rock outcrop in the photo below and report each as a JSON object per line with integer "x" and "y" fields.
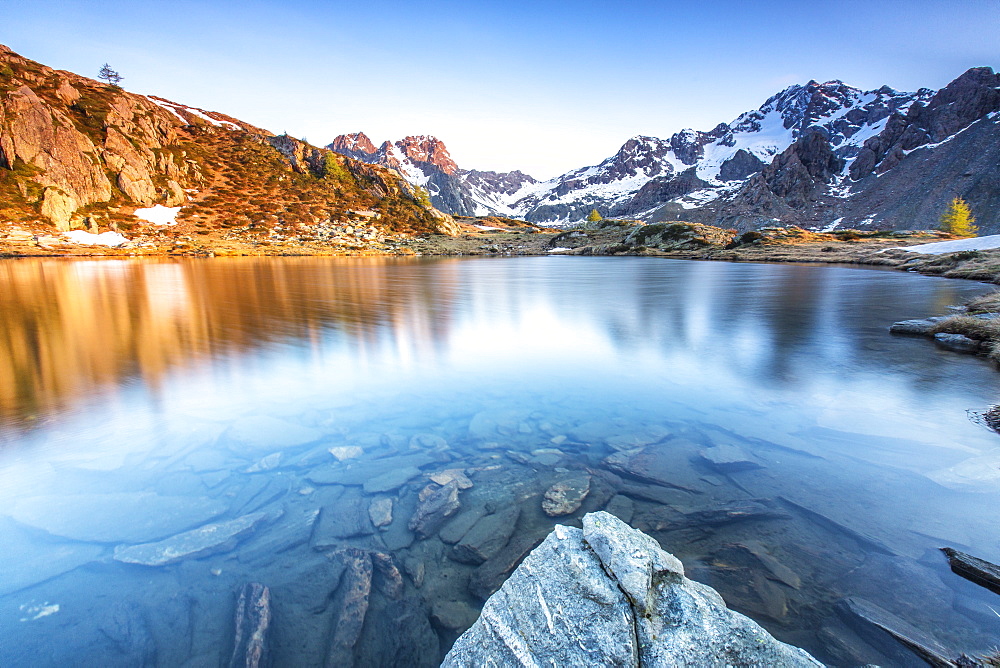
{"x": 77, "y": 153}
{"x": 965, "y": 100}
{"x": 195, "y": 544}
{"x": 608, "y": 595}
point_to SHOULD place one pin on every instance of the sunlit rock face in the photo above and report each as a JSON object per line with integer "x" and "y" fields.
{"x": 77, "y": 153}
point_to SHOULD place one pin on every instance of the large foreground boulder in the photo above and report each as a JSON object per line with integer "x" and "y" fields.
{"x": 608, "y": 595}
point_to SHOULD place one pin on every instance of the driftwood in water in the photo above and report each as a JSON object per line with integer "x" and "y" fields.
{"x": 253, "y": 619}
{"x": 980, "y": 571}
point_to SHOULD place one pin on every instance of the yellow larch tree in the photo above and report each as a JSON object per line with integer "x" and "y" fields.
{"x": 958, "y": 219}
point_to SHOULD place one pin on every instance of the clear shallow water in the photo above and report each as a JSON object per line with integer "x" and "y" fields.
{"x": 139, "y": 399}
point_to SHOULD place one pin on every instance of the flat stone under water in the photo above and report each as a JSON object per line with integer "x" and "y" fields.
{"x": 379, "y": 443}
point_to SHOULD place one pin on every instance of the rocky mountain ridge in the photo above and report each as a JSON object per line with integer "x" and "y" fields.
{"x": 77, "y": 153}
{"x": 424, "y": 161}
{"x": 821, "y": 155}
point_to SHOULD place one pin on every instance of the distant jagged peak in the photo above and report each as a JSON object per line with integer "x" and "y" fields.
{"x": 428, "y": 149}
{"x": 355, "y": 141}
{"x": 641, "y": 145}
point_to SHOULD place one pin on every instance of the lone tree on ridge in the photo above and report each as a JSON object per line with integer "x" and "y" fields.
{"x": 109, "y": 75}
{"x": 594, "y": 216}
{"x": 958, "y": 220}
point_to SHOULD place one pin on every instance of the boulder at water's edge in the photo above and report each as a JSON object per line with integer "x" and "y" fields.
{"x": 608, "y": 595}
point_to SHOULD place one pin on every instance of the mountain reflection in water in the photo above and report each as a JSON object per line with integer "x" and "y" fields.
{"x": 149, "y": 381}
{"x": 73, "y": 330}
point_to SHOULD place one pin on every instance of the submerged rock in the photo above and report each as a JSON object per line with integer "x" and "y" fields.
{"x": 446, "y": 476}
{"x": 487, "y": 536}
{"x": 453, "y": 615}
{"x": 201, "y": 542}
{"x": 777, "y": 571}
{"x": 252, "y": 624}
{"x": 128, "y": 517}
{"x": 957, "y": 343}
{"x": 434, "y": 510}
{"x": 390, "y": 480}
{"x": 664, "y": 518}
{"x": 981, "y": 472}
{"x": 727, "y": 457}
{"x": 872, "y": 621}
{"x": 621, "y": 507}
{"x": 920, "y": 327}
{"x": 342, "y": 452}
{"x": 269, "y": 463}
{"x": 346, "y": 518}
{"x": 651, "y": 464}
{"x": 565, "y": 496}
{"x": 608, "y": 595}
{"x": 492, "y": 573}
{"x": 353, "y": 605}
{"x": 639, "y": 439}
{"x": 457, "y": 527}
{"x": 380, "y": 511}
{"x": 293, "y": 529}
{"x": 125, "y": 625}
{"x": 361, "y": 472}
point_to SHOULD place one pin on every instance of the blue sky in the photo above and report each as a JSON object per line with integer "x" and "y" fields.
{"x": 543, "y": 86}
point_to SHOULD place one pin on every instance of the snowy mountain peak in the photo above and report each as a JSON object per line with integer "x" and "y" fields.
{"x": 809, "y": 140}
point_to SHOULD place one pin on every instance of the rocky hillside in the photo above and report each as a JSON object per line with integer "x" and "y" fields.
{"x": 77, "y": 153}
{"x": 819, "y": 155}
{"x": 425, "y": 162}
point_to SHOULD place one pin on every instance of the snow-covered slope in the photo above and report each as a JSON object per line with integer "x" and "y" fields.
{"x": 695, "y": 167}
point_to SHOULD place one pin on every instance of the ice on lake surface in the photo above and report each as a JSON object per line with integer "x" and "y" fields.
{"x": 379, "y": 441}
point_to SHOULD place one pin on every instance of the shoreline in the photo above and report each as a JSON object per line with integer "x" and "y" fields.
{"x": 983, "y": 266}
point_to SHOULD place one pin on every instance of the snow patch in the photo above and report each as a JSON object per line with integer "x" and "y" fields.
{"x": 698, "y": 198}
{"x": 112, "y": 239}
{"x": 158, "y": 214}
{"x": 939, "y": 247}
{"x": 832, "y": 226}
{"x": 175, "y": 109}
{"x": 559, "y": 249}
{"x": 943, "y": 141}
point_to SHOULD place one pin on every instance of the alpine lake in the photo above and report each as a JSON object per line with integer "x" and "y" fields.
{"x": 379, "y": 441}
